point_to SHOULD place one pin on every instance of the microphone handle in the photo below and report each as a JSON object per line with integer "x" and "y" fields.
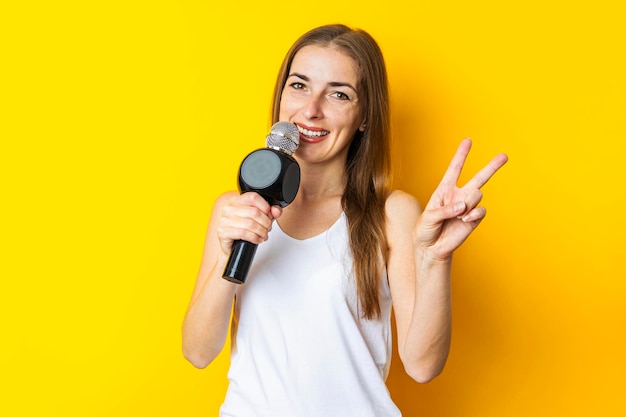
{"x": 239, "y": 262}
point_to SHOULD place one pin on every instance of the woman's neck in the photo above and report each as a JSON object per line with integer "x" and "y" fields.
{"x": 320, "y": 181}
{"x": 317, "y": 204}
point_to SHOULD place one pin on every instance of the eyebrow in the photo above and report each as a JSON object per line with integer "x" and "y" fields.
{"x": 332, "y": 83}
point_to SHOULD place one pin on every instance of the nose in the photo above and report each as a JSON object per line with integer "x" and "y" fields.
{"x": 313, "y": 107}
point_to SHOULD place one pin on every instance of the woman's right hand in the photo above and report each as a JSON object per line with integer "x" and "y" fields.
{"x": 246, "y": 217}
{"x": 233, "y": 217}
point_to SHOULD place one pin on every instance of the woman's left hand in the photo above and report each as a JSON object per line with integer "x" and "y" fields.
{"x": 452, "y": 212}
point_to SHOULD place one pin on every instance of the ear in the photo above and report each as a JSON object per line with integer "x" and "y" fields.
{"x": 363, "y": 126}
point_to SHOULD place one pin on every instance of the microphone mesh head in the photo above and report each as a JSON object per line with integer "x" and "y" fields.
{"x": 284, "y": 136}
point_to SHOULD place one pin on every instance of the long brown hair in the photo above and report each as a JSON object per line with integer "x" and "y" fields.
{"x": 368, "y": 163}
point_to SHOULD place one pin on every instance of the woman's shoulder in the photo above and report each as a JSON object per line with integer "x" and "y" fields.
{"x": 402, "y": 211}
{"x": 401, "y": 203}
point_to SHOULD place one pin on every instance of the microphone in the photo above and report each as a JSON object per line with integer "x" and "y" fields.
{"x": 275, "y": 175}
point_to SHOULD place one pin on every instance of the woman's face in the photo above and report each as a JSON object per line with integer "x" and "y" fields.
{"x": 321, "y": 97}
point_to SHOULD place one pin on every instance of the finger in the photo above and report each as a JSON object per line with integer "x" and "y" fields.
{"x": 255, "y": 200}
{"x": 440, "y": 214}
{"x": 243, "y": 211}
{"x": 487, "y": 172}
{"x": 475, "y": 216}
{"x": 456, "y": 165}
{"x": 252, "y": 219}
{"x": 472, "y": 200}
{"x": 276, "y": 212}
{"x": 244, "y": 223}
{"x": 250, "y": 205}
{"x": 230, "y": 234}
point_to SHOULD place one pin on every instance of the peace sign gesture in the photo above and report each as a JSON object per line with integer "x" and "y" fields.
{"x": 452, "y": 212}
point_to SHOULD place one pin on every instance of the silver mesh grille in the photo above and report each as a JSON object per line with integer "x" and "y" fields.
{"x": 284, "y": 136}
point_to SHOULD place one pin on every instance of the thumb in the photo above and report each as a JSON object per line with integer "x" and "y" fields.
{"x": 432, "y": 220}
{"x": 276, "y": 211}
{"x": 449, "y": 211}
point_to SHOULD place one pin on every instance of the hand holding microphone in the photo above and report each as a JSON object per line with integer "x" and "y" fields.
{"x": 275, "y": 175}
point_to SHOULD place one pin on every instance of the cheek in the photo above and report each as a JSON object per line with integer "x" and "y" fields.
{"x": 284, "y": 107}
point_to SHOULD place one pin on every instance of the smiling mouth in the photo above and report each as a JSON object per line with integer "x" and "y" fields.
{"x": 312, "y": 133}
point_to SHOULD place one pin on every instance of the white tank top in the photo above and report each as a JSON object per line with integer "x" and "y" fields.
{"x": 299, "y": 345}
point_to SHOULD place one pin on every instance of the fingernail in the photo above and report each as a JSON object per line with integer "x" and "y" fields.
{"x": 459, "y": 207}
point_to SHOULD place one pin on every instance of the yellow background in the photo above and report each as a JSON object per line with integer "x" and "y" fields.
{"x": 122, "y": 121}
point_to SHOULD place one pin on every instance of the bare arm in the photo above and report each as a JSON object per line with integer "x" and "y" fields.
{"x": 205, "y": 327}
{"x": 420, "y": 256}
{"x": 420, "y": 292}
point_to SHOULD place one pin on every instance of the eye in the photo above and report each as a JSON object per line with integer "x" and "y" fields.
{"x": 340, "y": 95}
{"x": 296, "y": 85}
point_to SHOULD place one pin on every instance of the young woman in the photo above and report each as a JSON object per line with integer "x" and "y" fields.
{"x": 311, "y": 329}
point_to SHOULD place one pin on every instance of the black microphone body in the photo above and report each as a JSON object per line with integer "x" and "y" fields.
{"x": 274, "y": 174}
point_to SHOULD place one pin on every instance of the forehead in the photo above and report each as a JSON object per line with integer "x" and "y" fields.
{"x": 325, "y": 63}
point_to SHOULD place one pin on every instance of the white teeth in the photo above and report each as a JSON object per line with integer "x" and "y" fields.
{"x": 313, "y": 133}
